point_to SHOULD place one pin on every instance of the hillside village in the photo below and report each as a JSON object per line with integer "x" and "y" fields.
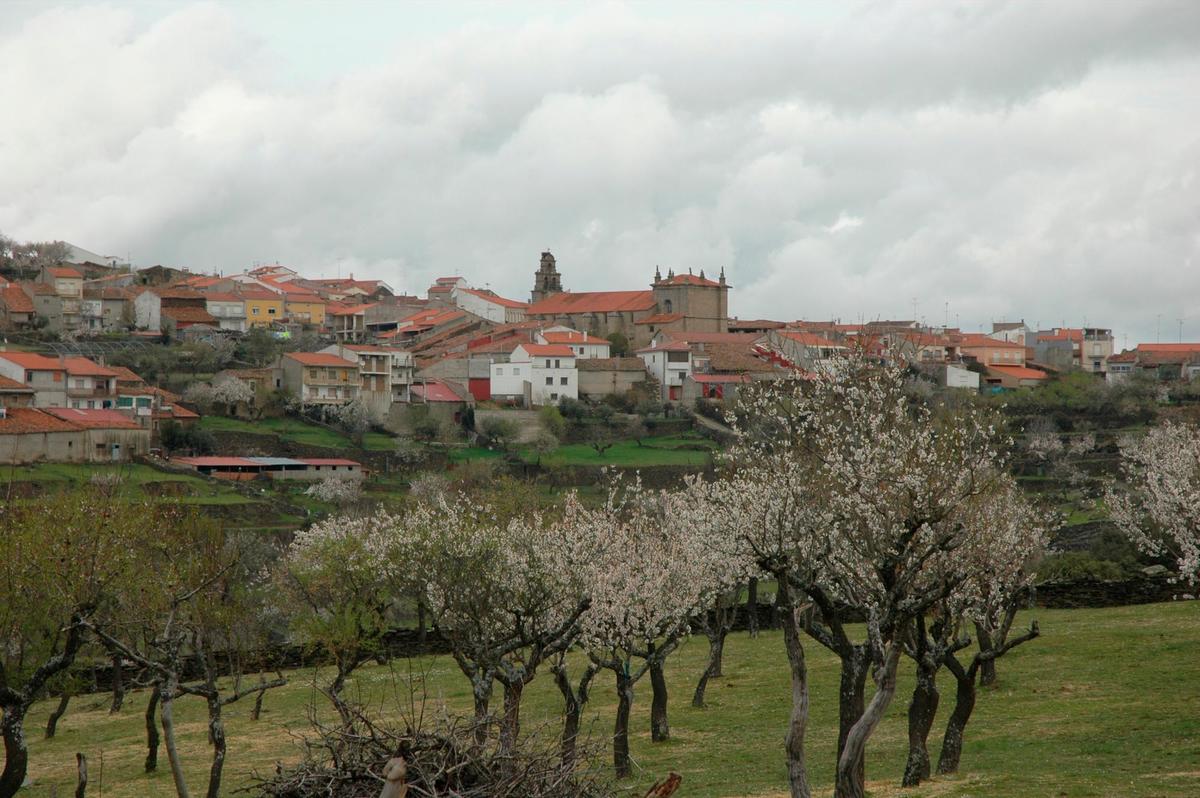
{"x": 401, "y": 358}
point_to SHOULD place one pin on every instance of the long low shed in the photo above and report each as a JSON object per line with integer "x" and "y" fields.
{"x": 304, "y": 469}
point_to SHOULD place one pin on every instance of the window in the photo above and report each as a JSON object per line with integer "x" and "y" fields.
{"x": 143, "y": 401}
{"x": 547, "y": 362}
{"x": 125, "y": 401}
{"x": 549, "y": 380}
{"x": 557, "y": 364}
{"x": 516, "y": 371}
{"x": 677, "y": 357}
{"x": 563, "y": 381}
{"x": 554, "y": 396}
{"x": 500, "y": 371}
{"x": 270, "y": 311}
{"x": 667, "y": 306}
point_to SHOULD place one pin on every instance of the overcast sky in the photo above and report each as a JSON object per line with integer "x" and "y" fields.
{"x": 973, "y": 161}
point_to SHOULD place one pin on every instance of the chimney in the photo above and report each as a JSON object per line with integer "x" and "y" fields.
{"x": 585, "y": 336}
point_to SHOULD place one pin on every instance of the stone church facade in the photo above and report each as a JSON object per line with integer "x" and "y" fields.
{"x": 684, "y": 302}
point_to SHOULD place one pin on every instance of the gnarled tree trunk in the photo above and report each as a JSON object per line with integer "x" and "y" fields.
{"x": 964, "y": 705}
{"x": 510, "y": 726}
{"x": 852, "y": 699}
{"x": 798, "y": 722}
{"x": 118, "y": 685}
{"x": 574, "y": 701}
{"x": 921, "y": 712}
{"x": 660, "y": 727}
{"x": 151, "y": 763}
{"x": 56, "y": 715}
{"x": 849, "y": 783}
{"x": 621, "y": 761}
{"x": 16, "y": 752}
{"x": 716, "y": 651}
{"x": 752, "y": 606}
{"x": 216, "y": 734}
{"x": 166, "y": 715}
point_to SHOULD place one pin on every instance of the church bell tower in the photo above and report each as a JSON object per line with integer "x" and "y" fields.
{"x": 546, "y": 280}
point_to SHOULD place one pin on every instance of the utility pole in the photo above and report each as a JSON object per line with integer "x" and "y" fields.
{"x": 1158, "y": 329}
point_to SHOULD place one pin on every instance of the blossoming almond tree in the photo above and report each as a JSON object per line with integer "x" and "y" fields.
{"x": 995, "y": 565}
{"x": 504, "y": 589}
{"x": 1159, "y": 507}
{"x": 861, "y": 482}
{"x": 652, "y": 571}
{"x": 338, "y": 591}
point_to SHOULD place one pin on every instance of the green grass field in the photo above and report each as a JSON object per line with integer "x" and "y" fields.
{"x": 660, "y": 451}
{"x": 1104, "y": 704}
{"x": 298, "y": 431}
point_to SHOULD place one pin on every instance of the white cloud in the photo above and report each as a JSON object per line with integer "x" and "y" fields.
{"x": 1019, "y": 159}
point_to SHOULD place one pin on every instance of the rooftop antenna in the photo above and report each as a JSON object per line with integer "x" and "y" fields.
{"x": 1180, "y": 330}
{"x": 1158, "y": 329}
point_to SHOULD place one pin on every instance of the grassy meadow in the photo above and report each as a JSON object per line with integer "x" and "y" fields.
{"x": 1105, "y": 703}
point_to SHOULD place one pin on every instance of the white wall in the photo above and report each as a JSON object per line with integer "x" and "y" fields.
{"x": 146, "y": 311}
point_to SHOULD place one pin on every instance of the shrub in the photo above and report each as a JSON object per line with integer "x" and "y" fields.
{"x": 500, "y": 432}
{"x": 552, "y": 421}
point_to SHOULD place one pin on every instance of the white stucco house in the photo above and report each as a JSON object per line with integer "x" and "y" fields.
{"x": 536, "y": 374}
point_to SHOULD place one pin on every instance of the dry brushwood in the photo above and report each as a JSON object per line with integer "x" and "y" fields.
{"x": 665, "y": 788}
{"x": 445, "y": 762}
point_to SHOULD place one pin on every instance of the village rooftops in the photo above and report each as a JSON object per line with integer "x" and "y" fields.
{"x": 573, "y": 337}
{"x": 23, "y": 420}
{"x": 65, "y": 272}
{"x": 15, "y": 299}
{"x": 981, "y": 341}
{"x": 1020, "y": 372}
{"x": 810, "y": 339}
{"x": 688, "y": 279}
{"x": 660, "y": 318}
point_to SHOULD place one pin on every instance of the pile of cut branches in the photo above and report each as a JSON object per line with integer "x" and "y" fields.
{"x": 448, "y": 760}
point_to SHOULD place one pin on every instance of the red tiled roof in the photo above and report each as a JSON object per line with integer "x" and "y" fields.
{"x": 8, "y": 385}
{"x": 371, "y": 348}
{"x": 66, "y": 272}
{"x": 671, "y": 346}
{"x": 82, "y": 367}
{"x": 222, "y": 296}
{"x": 810, "y": 339}
{"x": 1020, "y": 372}
{"x": 1167, "y": 348}
{"x": 189, "y": 315}
{"x": 320, "y": 359}
{"x": 980, "y": 341}
{"x": 573, "y": 337}
{"x": 660, "y": 318}
{"x": 721, "y": 377}
{"x": 593, "y": 302}
{"x": 33, "y": 361}
{"x": 548, "y": 350}
{"x": 16, "y": 299}
{"x": 494, "y": 299}
{"x": 253, "y": 292}
{"x": 37, "y": 288}
{"x": 324, "y": 461}
{"x": 20, "y": 420}
{"x": 688, "y": 337}
{"x": 689, "y": 279}
{"x": 215, "y": 461}
{"x": 93, "y": 419}
{"x": 1074, "y": 334}
{"x": 1129, "y": 356}
{"x": 435, "y": 391}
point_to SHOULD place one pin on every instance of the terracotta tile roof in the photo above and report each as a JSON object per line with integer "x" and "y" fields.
{"x": 757, "y": 324}
{"x": 1020, "y": 372}
{"x": 493, "y": 298}
{"x": 506, "y": 344}
{"x": 65, "y": 272}
{"x": 575, "y": 338}
{"x": 188, "y": 315}
{"x": 811, "y": 339}
{"x": 1168, "y": 348}
{"x": 720, "y": 378}
{"x": 38, "y": 288}
{"x": 1128, "y": 356}
{"x": 980, "y": 341}
{"x": 15, "y": 299}
{"x": 82, "y": 367}
{"x": 21, "y": 420}
{"x": 688, "y": 337}
{"x": 371, "y": 348}
{"x": 670, "y": 346}
{"x": 331, "y": 461}
{"x": 1074, "y": 334}
{"x": 255, "y": 293}
{"x": 93, "y": 419}
{"x": 33, "y": 361}
{"x": 593, "y": 302}
{"x": 734, "y": 358}
{"x": 548, "y": 350}
{"x": 611, "y": 364}
{"x": 321, "y": 359}
{"x": 8, "y": 385}
{"x": 222, "y": 296}
{"x": 689, "y": 279}
{"x": 660, "y": 318}
{"x": 437, "y": 391}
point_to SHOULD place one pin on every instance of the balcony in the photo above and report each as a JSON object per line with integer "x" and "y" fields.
{"x": 91, "y": 393}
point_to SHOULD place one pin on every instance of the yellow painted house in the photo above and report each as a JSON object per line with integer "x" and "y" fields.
{"x": 262, "y": 307}
{"x": 305, "y": 309}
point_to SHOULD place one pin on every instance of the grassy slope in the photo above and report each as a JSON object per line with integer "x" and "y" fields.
{"x": 298, "y": 431}
{"x": 1103, "y": 705}
{"x": 660, "y": 451}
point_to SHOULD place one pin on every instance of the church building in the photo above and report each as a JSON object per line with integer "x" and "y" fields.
{"x": 677, "y": 302}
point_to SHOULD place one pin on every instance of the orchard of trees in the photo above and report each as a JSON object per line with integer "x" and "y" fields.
{"x": 885, "y": 517}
